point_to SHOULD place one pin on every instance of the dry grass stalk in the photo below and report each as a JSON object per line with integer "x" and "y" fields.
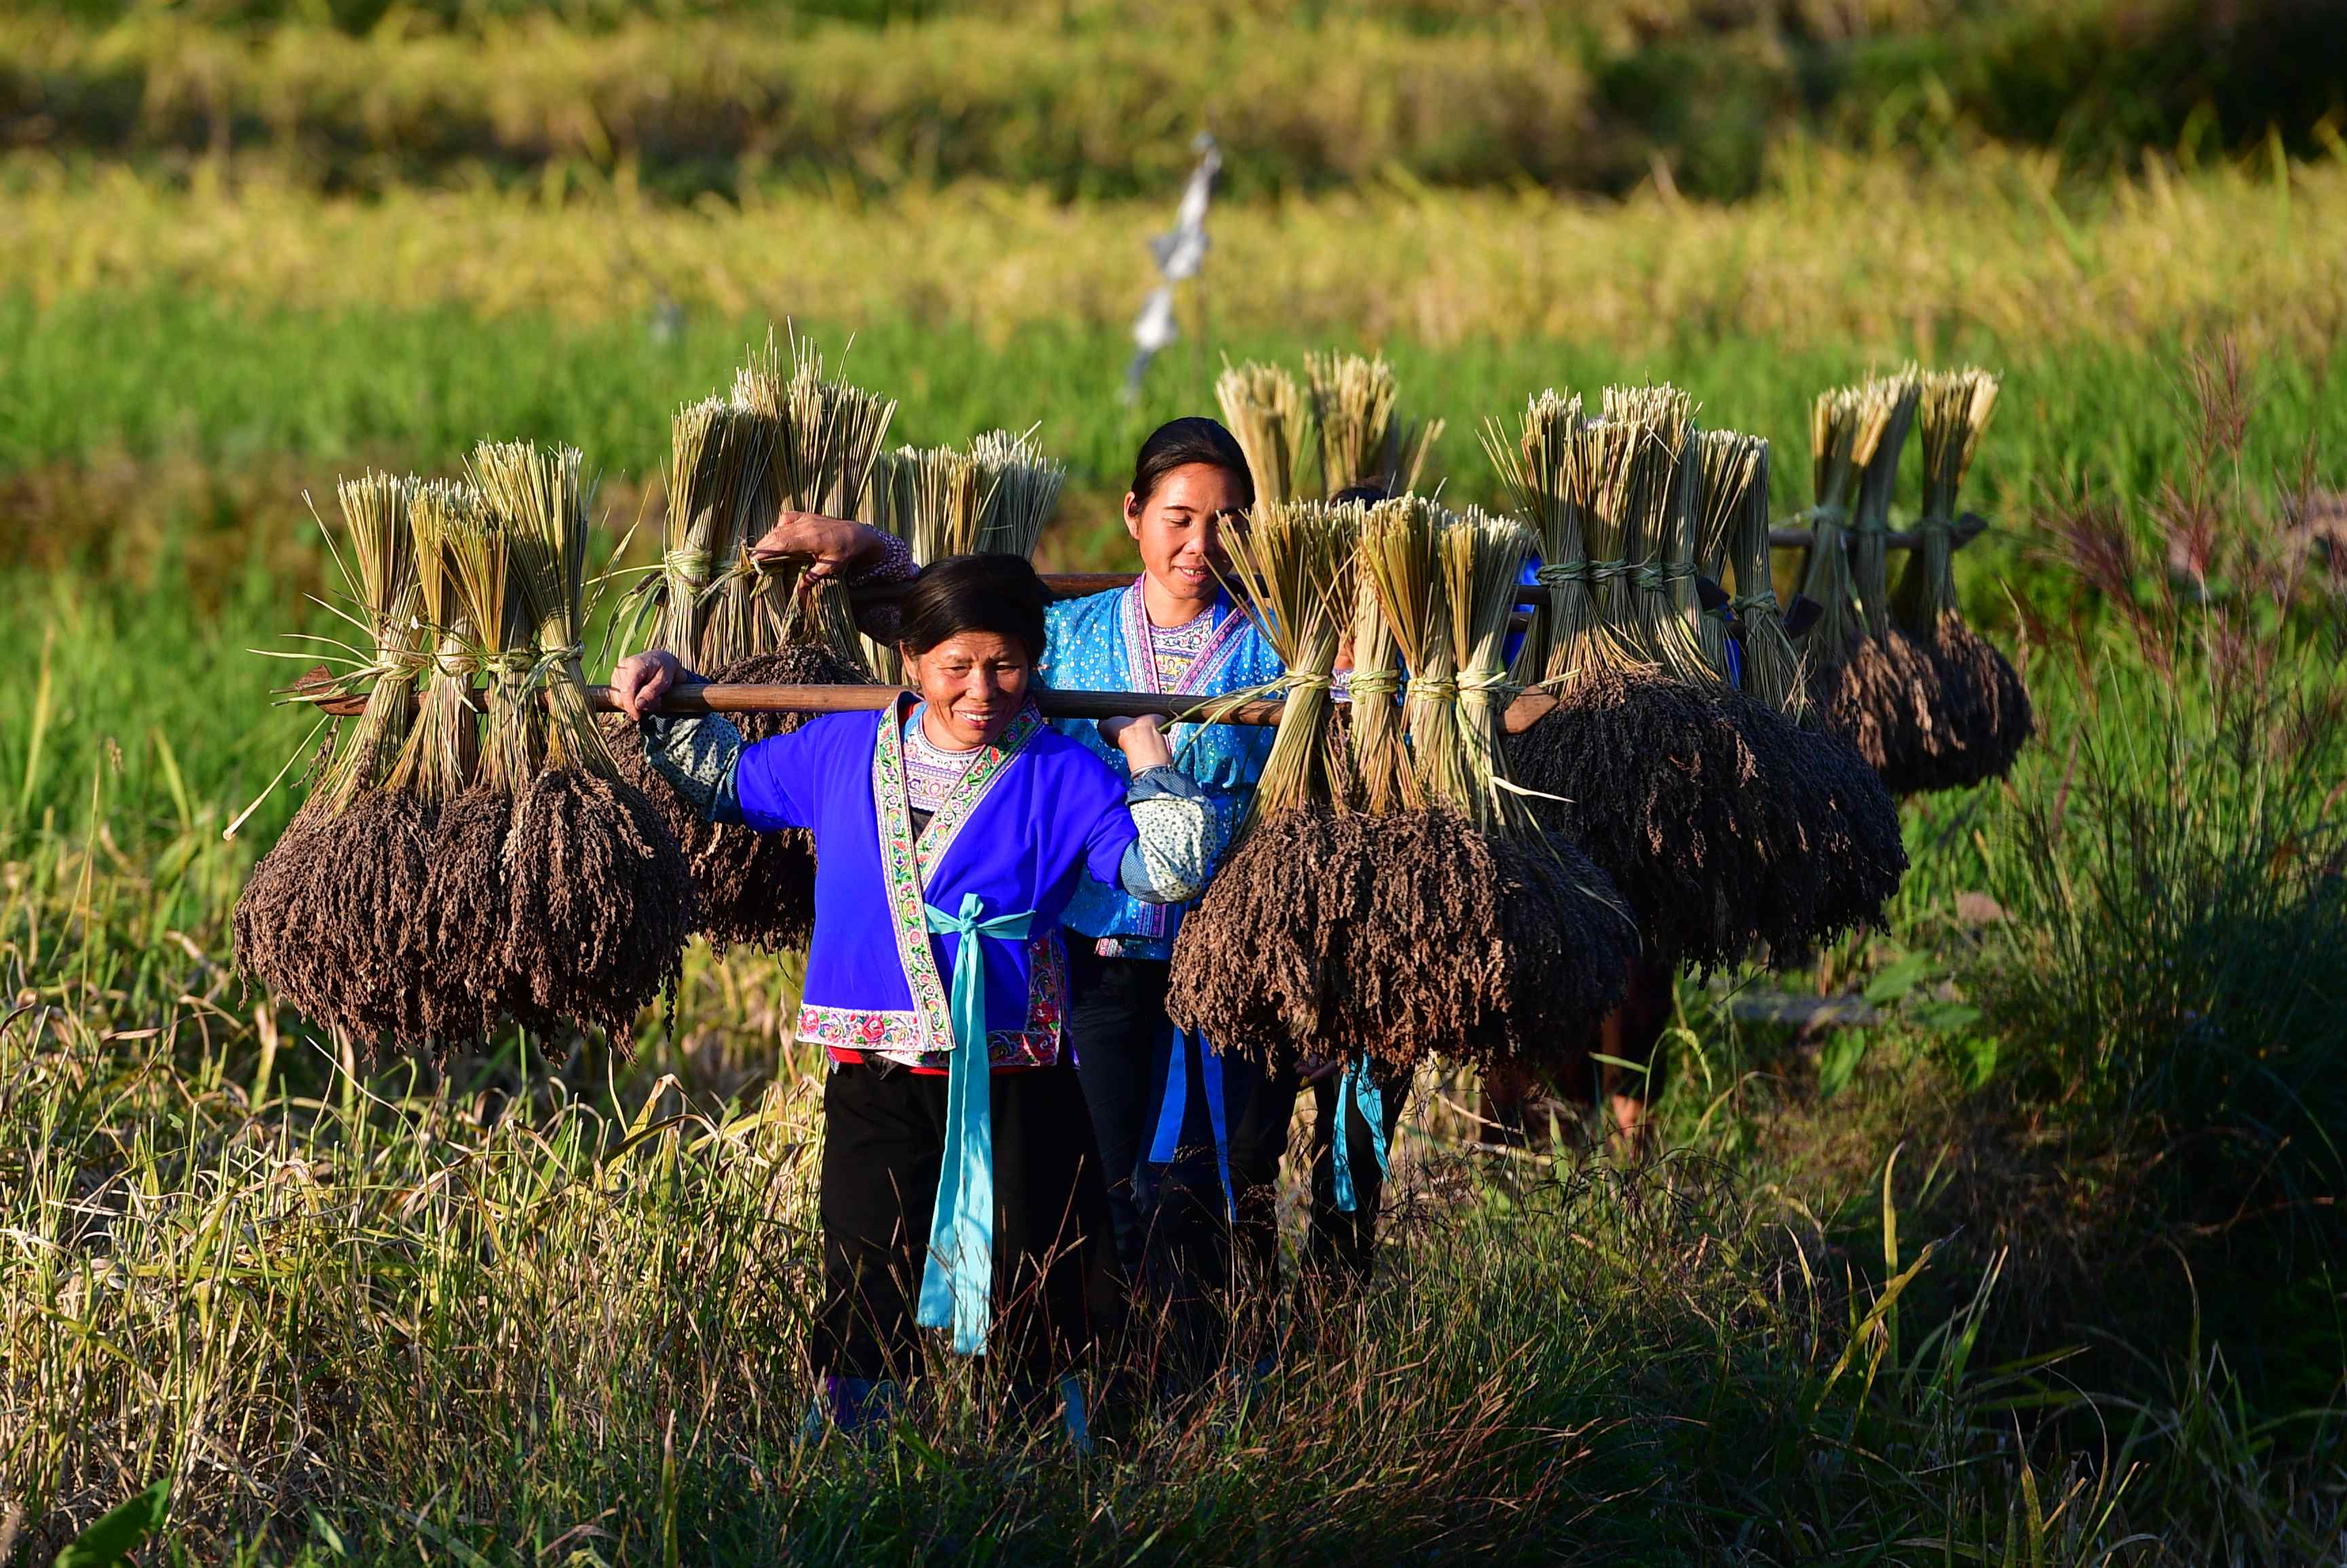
{"x": 541, "y": 497}
{"x": 829, "y": 436}
{"x": 1402, "y": 556}
{"x": 1843, "y": 430}
{"x": 1384, "y": 781}
{"x": 740, "y": 450}
{"x": 1261, "y": 406}
{"x": 676, "y": 598}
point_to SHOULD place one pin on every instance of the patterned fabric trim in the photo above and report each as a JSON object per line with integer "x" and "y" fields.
{"x": 1139, "y": 653}
{"x": 907, "y": 860}
{"x": 897, "y": 1035}
{"x": 1156, "y": 920}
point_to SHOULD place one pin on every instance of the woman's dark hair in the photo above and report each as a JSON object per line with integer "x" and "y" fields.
{"x": 1177, "y": 444}
{"x": 1000, "y": 594}
{"x": 1362, "y": 495}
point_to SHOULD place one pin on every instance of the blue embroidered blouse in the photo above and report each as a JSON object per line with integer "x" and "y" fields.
{"x": 1100, "y": 644}
{"x": 1033, "y": 816}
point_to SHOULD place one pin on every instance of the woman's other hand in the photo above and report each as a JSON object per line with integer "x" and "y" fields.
{"x": 642, "y": 680}
{"x": 1143, "y": 740}
{"x": 834, "y": 546}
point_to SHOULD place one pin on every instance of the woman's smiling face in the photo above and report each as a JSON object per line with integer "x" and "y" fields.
{"x": 974, "y": 683}
{"x": 1179, "y": 529}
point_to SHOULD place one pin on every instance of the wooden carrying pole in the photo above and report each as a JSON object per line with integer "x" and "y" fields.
{"x": 715, "y": 699}
{"x": 696, "y": 698}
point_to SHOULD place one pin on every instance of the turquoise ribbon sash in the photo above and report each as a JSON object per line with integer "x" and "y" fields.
{"x": 1357, "y": 1089}
{"x": 958, "y": 1281}
{"x": 1167, "y": 1146}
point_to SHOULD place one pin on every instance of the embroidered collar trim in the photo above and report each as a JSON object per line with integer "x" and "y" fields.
{"x": 1141, "y": 659}
{"x": 906, "y": 863}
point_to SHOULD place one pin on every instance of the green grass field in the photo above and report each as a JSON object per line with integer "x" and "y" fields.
{"x": 2040, "y": 1266}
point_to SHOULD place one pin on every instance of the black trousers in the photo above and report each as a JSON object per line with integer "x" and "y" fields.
{"x": 884, "y": 1139}
{"x": 1174, "y": 1243}
{"x": 1343, "y": 1244}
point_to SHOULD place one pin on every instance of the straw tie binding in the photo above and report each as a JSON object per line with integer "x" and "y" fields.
{"x": 688, "y": 566}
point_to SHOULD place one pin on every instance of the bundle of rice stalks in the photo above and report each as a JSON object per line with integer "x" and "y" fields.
{"x": 1983, "y": 717}
{"x": 1861, "y": 686}
{"x": 1656, "y": 508}
{"x": 1701, "y": 803}
{"x": 459, "y": 558}
{"x": 318, "y": 922}
{"x": 1771, "y": 669}
{"x": 1261, "y": 406}
{"x": 1439, "y": 919}
{"x": 828, "y": 437}
{"x": 1727, "y": 466}
{"x": 600, "y": 900}
{"x": 1362, "y": 442}
{"x": 1023, "y": 488}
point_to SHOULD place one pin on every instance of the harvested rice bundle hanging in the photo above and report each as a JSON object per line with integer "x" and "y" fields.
{"x": 1263, "y": 410}
{"x": 1024, "y": 490}
{"x": 749, "y": 887}
{"x": 1658, "y": 767}
{"x": 1440, "y": 921}
{"x": 1520, "y": 929}
{"x": 1838, "y": 857}
{"x": 829, "y": 436}
{"x": 789, "y": 438}
{"x": 458, "y": 998}
{"x": 1253, "y": 965}
{"x": 1859, "y": 693}
{"x": 1877, "y": 691}
{"x": 319, "y": 921}
{"x": 1984, "y": 716}
{"x": 467, "y": 906}
{"x": 600, "y": 900}
{"x": 1728, "y": 466}
{"x": 1912, "y": 721}
{"x": 1771, "y": 668}
{"x": 1362, "y": 442}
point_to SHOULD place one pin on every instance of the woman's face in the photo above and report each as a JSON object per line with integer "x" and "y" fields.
{"x": 974, "y": 683}
{"x": 1179, "y": 529}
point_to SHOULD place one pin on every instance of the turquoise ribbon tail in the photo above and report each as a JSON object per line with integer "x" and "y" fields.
{"x": 1358, "y": 1090}
{"x": 958, "y": 1280}
{"x": 1165, "y": 1147}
